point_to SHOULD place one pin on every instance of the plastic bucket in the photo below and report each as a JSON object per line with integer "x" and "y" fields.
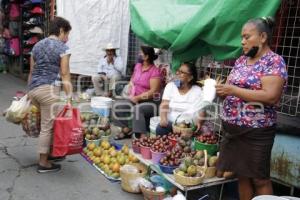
{"x": 145, "y": 151}
{"x": 167, "y": 169}
{"x": 136, "y": 148}
{"x": 156, "y": 156}
{"x": 152, "y": 131}
{"x": 211, "y": 149}
{"x": 101, "y": 105}
{"x": 268, "y": 197}
{"x": 97, "y": 142}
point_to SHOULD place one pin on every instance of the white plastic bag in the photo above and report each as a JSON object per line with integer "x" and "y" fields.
{"x": 17, "y": 110}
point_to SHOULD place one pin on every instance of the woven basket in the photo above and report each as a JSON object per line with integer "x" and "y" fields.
{"x": 210, "y": 172}
{"x": 183, "y": 131}
{"x": 128, "y": 178}
{"x": 190, "y": 181}
{"x": 152, "y": 195}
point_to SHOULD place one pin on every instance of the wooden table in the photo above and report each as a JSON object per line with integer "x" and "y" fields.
{"x": 206, "y": 182}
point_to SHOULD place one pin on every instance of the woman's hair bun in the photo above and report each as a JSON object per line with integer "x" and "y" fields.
{"x": 270, "y": 21}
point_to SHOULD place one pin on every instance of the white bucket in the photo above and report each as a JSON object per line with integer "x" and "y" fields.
{"x": 101, "y": 105}
{"x": 154, "y": 121}
{"x": 268, "y": 197}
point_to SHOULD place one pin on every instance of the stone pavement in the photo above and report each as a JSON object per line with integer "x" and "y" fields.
{"x": 18, "y": 177}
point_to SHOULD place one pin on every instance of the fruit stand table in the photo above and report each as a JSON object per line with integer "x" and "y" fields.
{"x": 206, "y": 183}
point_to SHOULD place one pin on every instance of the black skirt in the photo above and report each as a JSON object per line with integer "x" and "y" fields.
{"x": 246, "y": 151}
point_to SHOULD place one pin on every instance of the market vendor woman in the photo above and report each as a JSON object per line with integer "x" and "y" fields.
{"x": 252, "y": 91}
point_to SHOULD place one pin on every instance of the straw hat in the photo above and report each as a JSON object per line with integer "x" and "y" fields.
{"x": 110, "y": 46}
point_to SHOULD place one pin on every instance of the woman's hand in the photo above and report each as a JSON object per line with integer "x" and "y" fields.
{"x": 224, "y": 90}
{"x": 134, "y": 99}
{"x": 163, "y": 123}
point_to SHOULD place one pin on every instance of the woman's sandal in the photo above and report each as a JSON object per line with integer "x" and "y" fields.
{"x": 123, "y": 135}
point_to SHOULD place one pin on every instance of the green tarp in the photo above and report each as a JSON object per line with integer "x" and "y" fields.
{"x": 193, "y": 28}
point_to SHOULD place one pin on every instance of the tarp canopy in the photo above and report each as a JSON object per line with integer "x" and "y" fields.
{"x": 193, "y": 28}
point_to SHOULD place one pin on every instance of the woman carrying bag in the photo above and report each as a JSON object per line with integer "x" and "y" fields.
{"x": 49, "y": 67}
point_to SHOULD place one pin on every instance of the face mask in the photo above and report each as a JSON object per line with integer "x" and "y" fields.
{"x": 178, "y": 83}
{"x": 252, "y": 52}
{"x": 140, "y": 59}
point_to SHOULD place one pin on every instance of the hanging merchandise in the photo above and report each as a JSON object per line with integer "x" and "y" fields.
{"x": 6, "y": 33}
{"x": 31, "y": 41}
{"x": 14, "y": 28}
{"x": 37, "y": 10}
{"x": 15, "y": 46}
{"x": 14, "y": 11}
{"x": 36, "y": 30}
{"x": 34, "y": 21}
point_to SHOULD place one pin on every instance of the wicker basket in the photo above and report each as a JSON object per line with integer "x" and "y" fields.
{"x": 210, "y": 172}
{"x": 128, "y": 178}
{"x": 152, "y": 195}
{"x": 189, "y": 181}
{"x": 183, "y": 131}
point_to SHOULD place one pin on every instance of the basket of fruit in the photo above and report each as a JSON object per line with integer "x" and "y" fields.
{"x": 208, "y": 142}
{"x": 173, "y": 137}
{"x": 130, "y": 174}
{"x": 190, "y": 172}
{"x": 183, "y": 128}
{"x": 171, "y": 161}
{"x": 136, "y": 146}
{"x": 159, "y": 148}
{"x": 211, "y": 169}
{"x": 145, "y": 147}
{"x": 153, "y": 194}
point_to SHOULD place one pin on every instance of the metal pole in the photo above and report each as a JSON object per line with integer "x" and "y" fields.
{"x": 221, "y": 191}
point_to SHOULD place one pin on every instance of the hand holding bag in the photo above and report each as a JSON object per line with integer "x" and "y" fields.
{"x": 68, "y": 136}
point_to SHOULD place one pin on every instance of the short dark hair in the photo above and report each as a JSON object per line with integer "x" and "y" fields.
{"x": 192, "y": 70}
{"x": 57, "y": 23}
{"x": 149, "y": 51}
{"x": 264, "y": 24}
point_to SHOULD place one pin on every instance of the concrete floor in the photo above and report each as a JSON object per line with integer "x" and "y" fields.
{"x": 18, "y": 177}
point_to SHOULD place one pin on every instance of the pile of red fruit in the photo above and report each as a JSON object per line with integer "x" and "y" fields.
{"x": 136, "y": 142}
{"x": 146, "y": 141}
{"x": 173, "y": 136}
{"x": 172, "y": 158}
{"x": 161, "y": 144}
{"x": 208, "y": 138}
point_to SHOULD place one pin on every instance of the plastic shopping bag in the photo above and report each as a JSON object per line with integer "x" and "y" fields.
{"x": 68, "y": 136}
{"x": 17, "y": 110}
{"x": 31, "y": 123}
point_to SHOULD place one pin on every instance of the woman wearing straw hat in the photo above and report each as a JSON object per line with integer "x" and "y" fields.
{"x": 110, "y": 69}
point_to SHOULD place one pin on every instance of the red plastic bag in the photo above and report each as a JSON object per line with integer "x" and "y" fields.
{"x": 68, "y": 136}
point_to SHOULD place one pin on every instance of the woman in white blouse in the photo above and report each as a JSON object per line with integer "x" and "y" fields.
{"x": 180, "y": 96}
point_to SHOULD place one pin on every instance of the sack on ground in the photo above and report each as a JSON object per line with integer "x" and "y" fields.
{"x": 17, "y": 110}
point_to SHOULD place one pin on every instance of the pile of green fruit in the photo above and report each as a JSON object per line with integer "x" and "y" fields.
{"x": 188, "y": 169}
{"x": 94, "y": 127}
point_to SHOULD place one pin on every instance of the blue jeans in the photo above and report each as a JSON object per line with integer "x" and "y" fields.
{"x": 164, "y": 130}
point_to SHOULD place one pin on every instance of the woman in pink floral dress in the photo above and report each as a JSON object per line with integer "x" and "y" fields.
{"x": 251, "y": 93}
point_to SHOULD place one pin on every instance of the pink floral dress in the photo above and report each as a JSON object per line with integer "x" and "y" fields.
{"x": 252, "y": 114}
